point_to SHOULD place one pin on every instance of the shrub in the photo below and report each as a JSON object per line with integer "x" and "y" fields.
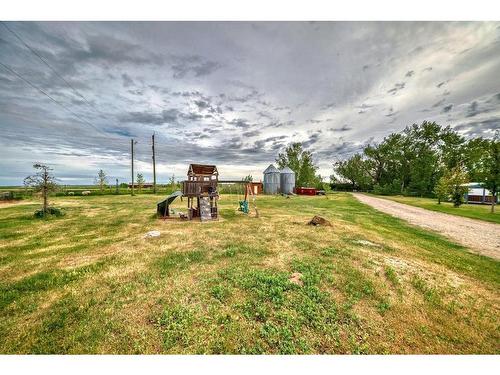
{"x": 388, "y": 189}
{"x": 50, "y": 211}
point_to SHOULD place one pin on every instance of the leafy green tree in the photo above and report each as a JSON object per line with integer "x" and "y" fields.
{"x": 299, "y": 161}
{"x": 475, "y": 150}
{"x": 423, "y": 141}
{"x": 451, "y": 149}
{"x": 44, "y": 182}
{"x": 355, "y": 171}
{"x": 140, "y": 181}
{"x": 415, "y": 159}
{"x": 248, "y": 178}
{"x": 101, "y": 180}
{"x": 442, "y": 189}
{"x": 456, "y": 180}
{"x": 491, "y": 178}
{"x": 482, "y": 158}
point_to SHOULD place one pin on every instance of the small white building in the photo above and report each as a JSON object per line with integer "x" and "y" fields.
{"x": 478, "y": 194}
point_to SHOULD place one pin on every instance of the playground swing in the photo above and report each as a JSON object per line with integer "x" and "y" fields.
{"x": 244, "y": 205}
{"x": 242, "y": 192}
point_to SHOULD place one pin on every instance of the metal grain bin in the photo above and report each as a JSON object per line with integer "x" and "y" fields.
{"x": 287, "y": 180}
{"x": 271, "y": 180}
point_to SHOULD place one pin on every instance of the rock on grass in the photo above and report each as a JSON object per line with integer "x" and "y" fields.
{"x": 318, "y": 220}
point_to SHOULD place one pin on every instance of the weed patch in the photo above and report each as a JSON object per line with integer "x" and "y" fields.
{"x": 179, "y": 261}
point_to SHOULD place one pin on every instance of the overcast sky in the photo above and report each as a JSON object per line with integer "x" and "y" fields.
{"x": 233, "y": 93}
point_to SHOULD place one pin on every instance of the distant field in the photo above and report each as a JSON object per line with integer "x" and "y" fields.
{"x": 473, "y": 211}
{"x": 63, "y": 190}
{"x": 90, "y": 282}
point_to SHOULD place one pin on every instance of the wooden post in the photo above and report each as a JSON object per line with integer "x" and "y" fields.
{"x": 132, "y": 151}
{"x": 154, "y": 164}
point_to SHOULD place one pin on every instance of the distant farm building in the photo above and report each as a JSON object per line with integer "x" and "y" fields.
{"x": 257, "y": 187}
{"x": 146, "y": 185}
{"x": 478, "y": 194}
{"x": 305, "y": 191}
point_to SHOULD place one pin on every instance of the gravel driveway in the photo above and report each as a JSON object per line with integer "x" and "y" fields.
{"x": 479, "y": 236}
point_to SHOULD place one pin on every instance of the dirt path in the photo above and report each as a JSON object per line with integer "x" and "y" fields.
{"x": 479, "y": 236}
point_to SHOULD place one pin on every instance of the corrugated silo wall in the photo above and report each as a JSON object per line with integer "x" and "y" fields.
{"x": 287, "y": 182}
{"x": 271, "y": 183}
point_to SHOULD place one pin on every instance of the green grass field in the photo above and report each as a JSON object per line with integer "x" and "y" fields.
{"x": 472, "y": 211}
{"x": 89, "y": 282}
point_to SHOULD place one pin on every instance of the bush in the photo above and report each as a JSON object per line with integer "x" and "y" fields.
{"x": 50, "y": 211}
{"x": 392, "y": 188}
{"x": 341, "y": 186}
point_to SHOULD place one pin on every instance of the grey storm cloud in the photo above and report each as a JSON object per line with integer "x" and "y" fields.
{"x": 233, "y": 93}
{"x": 479, "y": 128}
{"x": 196, "y": 65}
{"x": 447, "y": 108}
{"x": 239, "y": 123}
{"x": 391, "y": 112}
{"x": 252, "y": 133}
{"x": 127, "y": 80}
{"x": 472, "y": 110}
{"x": 344, "y": 128}
{"x": 311, "y": 141}
{"x": 439, "y": 103}
{"x": 166, "y": 116}
{"x": 397, "y": 87}
{"x": 328, "y": 106}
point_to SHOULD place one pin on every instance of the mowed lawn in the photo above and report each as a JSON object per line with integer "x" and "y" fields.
{"x": 89, "y": 282}
{"x": 472, "y": 211}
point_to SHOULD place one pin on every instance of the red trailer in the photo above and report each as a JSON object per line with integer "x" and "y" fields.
{"x": 305, "y": 191}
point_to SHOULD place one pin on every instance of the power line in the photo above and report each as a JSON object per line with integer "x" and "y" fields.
{"x": 48, "y": 96}
{"x": 47, "y": 64}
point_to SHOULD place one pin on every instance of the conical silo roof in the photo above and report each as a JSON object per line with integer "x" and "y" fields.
{"x": 287, "y": 170}
{"x": 271, "y": 169}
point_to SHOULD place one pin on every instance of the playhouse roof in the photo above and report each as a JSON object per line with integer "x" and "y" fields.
{"x": 202, "y": 169}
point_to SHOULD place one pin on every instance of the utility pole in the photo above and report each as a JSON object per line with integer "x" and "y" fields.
{"x": 132, "y": 149}
{"x": 117, "y": 191}
{"x": 154, "y": 164}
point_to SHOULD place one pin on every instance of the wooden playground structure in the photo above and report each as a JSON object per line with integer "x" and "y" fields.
{"x": 201, "y": 191}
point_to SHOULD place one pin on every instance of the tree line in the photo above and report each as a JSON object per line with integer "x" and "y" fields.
{"x": 423, "y": 160}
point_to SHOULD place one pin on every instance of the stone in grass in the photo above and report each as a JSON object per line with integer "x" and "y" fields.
{"x": 296, "y": 279}
{"x": 152, "y": 233}
{"x": 318, "y": 220}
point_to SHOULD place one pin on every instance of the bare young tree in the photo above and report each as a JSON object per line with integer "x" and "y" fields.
{"x": 42, "y": 181}
{"x": 101, "y": 180}
{"x": 172, "y": 182}
{"x": 140, "y": 181}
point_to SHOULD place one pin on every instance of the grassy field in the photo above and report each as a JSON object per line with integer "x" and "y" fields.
{"x": 89, "y": 282}
{"x": 473, "y": 211}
